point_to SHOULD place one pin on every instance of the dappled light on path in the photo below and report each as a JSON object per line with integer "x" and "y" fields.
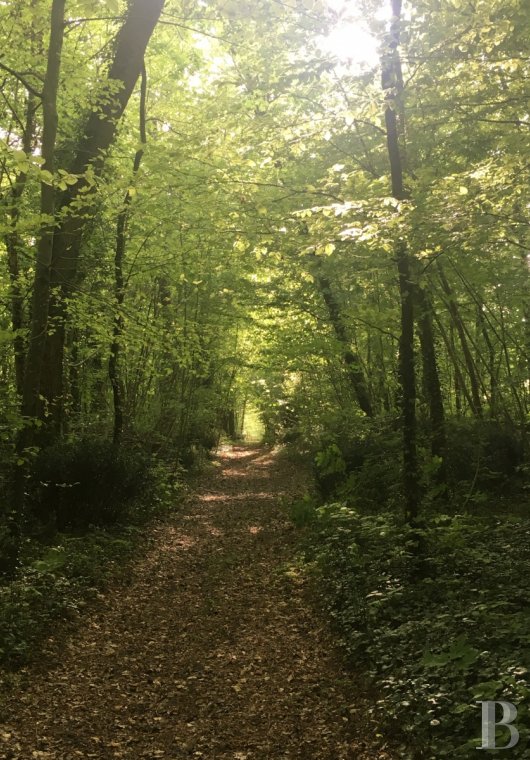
{"x": 210, "y": 652}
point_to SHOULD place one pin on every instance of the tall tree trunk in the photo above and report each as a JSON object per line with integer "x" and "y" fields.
{"x": 115, "y": 377}
{"x": 75, "y": 206}
{"x": 15, "y": 245}
{"x": 350, "y": 358}
{"x": 431, "y": 380}
{"x": 492, "y": 369}
{"x": 41, "y": 288}
{"x": 392, "y": 84}
{"x": 476, "y": 401}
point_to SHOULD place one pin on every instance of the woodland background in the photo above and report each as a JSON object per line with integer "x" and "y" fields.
{"x": 207, "y": 218}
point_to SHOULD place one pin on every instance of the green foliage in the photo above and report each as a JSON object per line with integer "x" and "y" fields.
{"x": 9, "y": 543}
{"x": 485, "y": 452}
{"x": 329, "y": 461}
{"x": 303, "y": 512}
{"x": 484, "y": 459}
{"x": 54, "y": 584}
{"x": 436, "y": 631}
{"x": 87, "y": 482}
{"x": 362, "y": 464}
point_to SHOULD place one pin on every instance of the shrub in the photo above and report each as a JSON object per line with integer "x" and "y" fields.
{"x": 362, "y": 464}
{"x": 53, "y": 584}
{"x": 77, "y": 484}
{"x": 9, "y": 545}
{"x": 485, "y": 452}
{"x": 436, "y": 633}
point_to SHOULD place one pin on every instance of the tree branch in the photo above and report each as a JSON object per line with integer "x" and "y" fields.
{"x": 22, "y": 79}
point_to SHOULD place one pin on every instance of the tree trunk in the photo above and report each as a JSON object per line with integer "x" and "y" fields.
{"x": 41, "y": 288}
{"x": 492, "y": 369}
{"x": 14, "y": 245}
{"x": 99, "y": 134}
{"x": 461, "y": 389}
{"x": 115, "y": 377}
{"x": 350, "y": 358}
{"x": 392, "y": 87}
{"x": 431, "y": 380}
{"x": 476, "y": 402}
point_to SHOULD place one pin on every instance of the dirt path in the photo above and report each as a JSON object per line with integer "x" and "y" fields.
{"x": 211, "y": 652}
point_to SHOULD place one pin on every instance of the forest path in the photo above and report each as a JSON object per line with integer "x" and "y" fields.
{"x": 211, "y": 652}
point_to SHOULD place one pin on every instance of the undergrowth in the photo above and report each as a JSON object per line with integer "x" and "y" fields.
{"x": 56, "y": 585}
{"x": 82, "y": 528}
{"x": 436, "y": 633}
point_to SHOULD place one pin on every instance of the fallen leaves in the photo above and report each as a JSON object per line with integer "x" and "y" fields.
{"x": 211, "y": 652}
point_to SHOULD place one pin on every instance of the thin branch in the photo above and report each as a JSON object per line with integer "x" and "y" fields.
{"x": 21, "y": 78}
{"x": 73, "y": 21}
{"x": 199, "y": 31}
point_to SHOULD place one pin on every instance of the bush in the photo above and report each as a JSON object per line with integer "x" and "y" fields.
{"x": 53, "y": 584}
{"x": 9, "y": 546}
{"x": 363, "y": 464}
{"x": 25, "y": 604}
{"x": 483, "y": 457}
{"x": 77, "y": 484}
{"x": 484, "y": 452}
{"x": 436, "y": 633}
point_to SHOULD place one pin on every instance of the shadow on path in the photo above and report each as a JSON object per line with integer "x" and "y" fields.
{"x": 212, "y": 651}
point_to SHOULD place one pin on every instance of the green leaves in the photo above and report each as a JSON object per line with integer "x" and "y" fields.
{"x": 329, "y": 460}
{"x": 52, "y": 561}
{"x": 95, "y": 7}
{"x": 22, "y": 160}
{"x": 460, "y": 655}
{"x": 325, "y": 250}
{"x": 425, "y": 641}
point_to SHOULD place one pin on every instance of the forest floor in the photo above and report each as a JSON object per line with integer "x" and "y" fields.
{"x": 212, "y": 650}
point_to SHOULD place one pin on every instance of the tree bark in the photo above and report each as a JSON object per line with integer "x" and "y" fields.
{"x": 75, "y": 206}
{"x": 41, "y": 288}
{"x": 115, "y": 377}
{"x": 350, "y": 358}
{"x": 392, "y": 85}
{"x": 14, "y": 246}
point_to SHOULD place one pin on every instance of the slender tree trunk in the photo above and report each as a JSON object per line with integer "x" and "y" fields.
{"x": 392, "y": 87}
{"x": 350, "y": 358}
{"x": 41, "y": 288}
{"x": 492, "y": 371}
{"x": 241, "y": 421}
{"x": 519, "y": 402}
{"x": 525, "y": 425}
{"x": 14, "y": 246}
{"x": 476, "y": 401}
{"x": 75, "y": 379}
{"x": 431, "y": 380}
{"x": 461, "y": 389}
{"x": 99, "y": 135}
{"x": 460, "y": 386}
{"x": 115, "y": 377}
